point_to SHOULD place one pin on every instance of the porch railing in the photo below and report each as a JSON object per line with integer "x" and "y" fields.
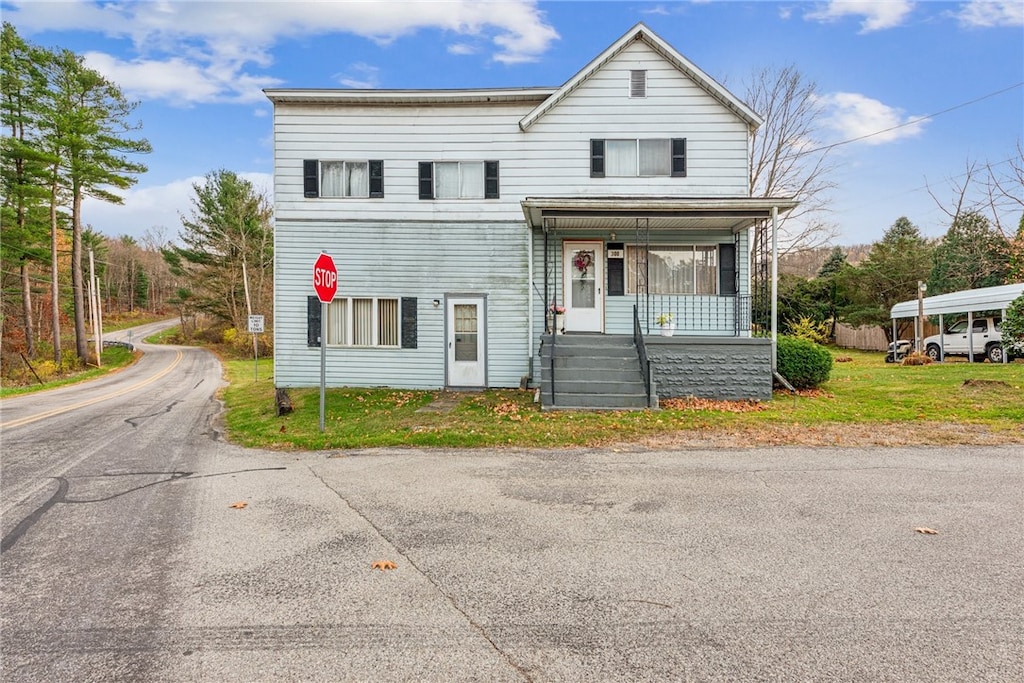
{"x": 702, "y": 313}
{"x": 641, "y": 352}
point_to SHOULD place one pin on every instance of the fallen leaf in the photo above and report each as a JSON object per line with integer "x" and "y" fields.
{"x": 925, "y": 530}
{"x": 282, "y": 429}
{"x": 384, "y": 565}
{"x": 239, "y": 505}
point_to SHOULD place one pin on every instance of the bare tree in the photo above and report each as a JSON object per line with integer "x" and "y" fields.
{"x": 787, "y": 155}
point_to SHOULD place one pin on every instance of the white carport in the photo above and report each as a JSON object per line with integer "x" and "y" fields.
{"x": 969, "y": 301}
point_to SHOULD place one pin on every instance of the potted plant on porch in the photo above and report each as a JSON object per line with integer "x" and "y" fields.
{"x": 668, "y": 327}
{"x": 558, "y": 313}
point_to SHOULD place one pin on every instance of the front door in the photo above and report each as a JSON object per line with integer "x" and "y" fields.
{"x": 582, "y": 286}
{"x": 465, "y": 335}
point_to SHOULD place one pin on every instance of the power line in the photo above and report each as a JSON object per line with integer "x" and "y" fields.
{"x": 911, "y": 122}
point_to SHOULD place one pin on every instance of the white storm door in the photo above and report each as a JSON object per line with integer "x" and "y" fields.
{"x": 583, "y": 286}
{"x": 465, "y": 336}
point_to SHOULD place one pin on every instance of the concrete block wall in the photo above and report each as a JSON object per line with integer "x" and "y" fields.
{"x": 721, "y": 368}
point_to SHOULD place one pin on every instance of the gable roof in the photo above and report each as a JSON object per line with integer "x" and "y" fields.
{"x": 641, "y": 32}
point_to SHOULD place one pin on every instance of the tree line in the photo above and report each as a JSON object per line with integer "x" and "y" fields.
{"x": 68, "y": 134}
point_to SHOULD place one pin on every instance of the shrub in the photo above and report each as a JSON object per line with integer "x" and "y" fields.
{"x": 803, "y": 363}
{"x": 1012, "y": 329}
{"x": 810, "y": 330}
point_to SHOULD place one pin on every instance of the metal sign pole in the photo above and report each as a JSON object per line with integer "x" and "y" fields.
{"x": 323, "y": 361}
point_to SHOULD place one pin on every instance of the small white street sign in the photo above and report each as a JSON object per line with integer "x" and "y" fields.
{"x": 255, "y": 324}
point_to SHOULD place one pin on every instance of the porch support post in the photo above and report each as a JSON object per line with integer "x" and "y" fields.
{"x": 529, "y": 295}
{"x": 775, "y": 288}
{"x": 547, "y": 299}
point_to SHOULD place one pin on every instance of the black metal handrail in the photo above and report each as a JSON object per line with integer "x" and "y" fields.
{"x": 641, "y": 352}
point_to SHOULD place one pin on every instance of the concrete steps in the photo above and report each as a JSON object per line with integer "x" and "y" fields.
{"x": 591, "y": 372}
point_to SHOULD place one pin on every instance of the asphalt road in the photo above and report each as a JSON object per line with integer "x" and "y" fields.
{"x": 124, "y": 560}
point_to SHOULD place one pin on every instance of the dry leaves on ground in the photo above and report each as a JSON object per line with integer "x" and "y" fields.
{"x": 384, "y": 565}
{"x": 925, "y": 530}
{"x": 508, "y": 409}
{"x": 694, "y": 403}
{"x": 240, "y": 505}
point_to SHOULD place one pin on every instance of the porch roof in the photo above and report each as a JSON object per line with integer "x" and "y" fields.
{"x": 660, "y": 213}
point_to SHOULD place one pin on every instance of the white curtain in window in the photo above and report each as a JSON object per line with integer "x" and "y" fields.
{"x": 357, "y": 179}
{"x": 336, "y": 323}
{"x": 332, "y": 179}
{"x": 620, "y": 157}
{"x": 472, "y": 186}
{"x": 387, "y": 322}
{"x": 707, "y": 270}
{"x": 655, "y": 157}
{"x": 670, "y": 270}
{"x": 362, "y": 322}
{"x": 446, "y": 180}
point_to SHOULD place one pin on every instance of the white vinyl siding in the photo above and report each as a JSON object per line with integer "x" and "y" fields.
{"x": 362, "y": 321}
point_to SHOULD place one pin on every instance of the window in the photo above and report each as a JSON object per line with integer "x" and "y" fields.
{"x": 343, "y": 178}
{"x": 363, "y": 321}
{"x": 685, "y": 269}
{"x": 458, "y": 179}
{"x": 631, "y": 158}
{"x": 638, "y": 83}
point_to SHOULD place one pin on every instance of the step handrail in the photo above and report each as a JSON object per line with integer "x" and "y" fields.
{"x": 641, "y": 352}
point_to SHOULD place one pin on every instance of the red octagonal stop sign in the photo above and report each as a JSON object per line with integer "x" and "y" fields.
{"x": 325, "y": 278}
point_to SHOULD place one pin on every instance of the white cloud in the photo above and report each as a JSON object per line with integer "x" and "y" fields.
{"x": 992, "y": 13}
{"x": 462, "y": 49}
{"x": 878, "y": 14}
{"x": 853, "y": 116}
{"x": 155, "y": 206}
{"x": 361, "y": 76}
{"x": 202, "y": 48}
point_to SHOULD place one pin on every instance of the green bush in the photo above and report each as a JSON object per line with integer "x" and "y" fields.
{"x": 803, "y": 363}
{"x": 810, "y": 330}
{"x": 1012, "y": 329}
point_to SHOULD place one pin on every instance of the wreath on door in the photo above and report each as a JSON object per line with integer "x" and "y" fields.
{"x": 583, "y": 261}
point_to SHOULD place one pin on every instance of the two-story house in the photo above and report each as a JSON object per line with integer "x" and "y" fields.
{"x": 464, "y": 222}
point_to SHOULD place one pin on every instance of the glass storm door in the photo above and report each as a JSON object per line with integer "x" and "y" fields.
{"x": 582, "y": 286}
{"x": 465, "y": 334}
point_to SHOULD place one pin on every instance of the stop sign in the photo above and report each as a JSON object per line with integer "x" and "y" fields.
{"x": 325, "y": 278}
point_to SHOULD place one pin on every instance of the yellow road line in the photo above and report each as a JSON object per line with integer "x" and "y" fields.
{"x": 105, "y": 397}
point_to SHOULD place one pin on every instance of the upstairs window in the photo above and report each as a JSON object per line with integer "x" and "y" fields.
{"x": 330, "y": 179}
{"x": 638, "y": 83}
{"x": 630, "y": 158}
{"x": 458, "y": 180}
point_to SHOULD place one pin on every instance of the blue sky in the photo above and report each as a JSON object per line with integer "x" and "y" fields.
{"x": 198, "y": 70}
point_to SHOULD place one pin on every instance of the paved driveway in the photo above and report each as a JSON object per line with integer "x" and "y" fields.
{"x": 769, "y": 564}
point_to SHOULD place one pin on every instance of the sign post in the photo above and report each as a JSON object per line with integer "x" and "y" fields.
{"x": 255, "y": 328}
{"x": 325, "y": 282}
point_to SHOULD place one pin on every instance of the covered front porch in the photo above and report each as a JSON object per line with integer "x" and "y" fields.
{"x": 685, "y": 286}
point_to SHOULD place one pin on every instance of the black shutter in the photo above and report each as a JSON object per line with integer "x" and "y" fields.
{"x": 311, "y": 178}
{"x": 597, "y": 158}
{"x": 408, "y": 322}
{"x": 617, "y": 270}
{"x": 678, "y": 157}
{"x": 727, "y": 269}
{"x": 426, "y": 180}
{"x": 490, "y": 180}
{"x": 376, "y": 178}
{"x": 313, "y": 307}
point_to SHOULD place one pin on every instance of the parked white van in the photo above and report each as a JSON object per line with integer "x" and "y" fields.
{"x": 987, "y": 340}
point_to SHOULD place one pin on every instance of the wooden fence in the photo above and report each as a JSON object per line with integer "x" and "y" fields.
{"x": 872, "y": 337}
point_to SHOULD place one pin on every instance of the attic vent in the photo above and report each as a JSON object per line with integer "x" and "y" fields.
{"x": 638, "y": 83}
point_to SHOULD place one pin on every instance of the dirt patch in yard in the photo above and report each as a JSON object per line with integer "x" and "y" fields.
{"x": 885, "y": 434}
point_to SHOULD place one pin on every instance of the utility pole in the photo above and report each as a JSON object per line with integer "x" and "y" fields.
{"x": 94, "y": 309}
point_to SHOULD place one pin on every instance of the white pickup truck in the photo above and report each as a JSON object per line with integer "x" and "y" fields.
{"x": 986, "y": 342}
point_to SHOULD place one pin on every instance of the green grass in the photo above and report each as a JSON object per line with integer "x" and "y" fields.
{"x": 861, "y": 395}
{"x": 114, "y": 358}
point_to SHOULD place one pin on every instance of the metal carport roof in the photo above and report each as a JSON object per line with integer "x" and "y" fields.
{"x": 968, "y": 300}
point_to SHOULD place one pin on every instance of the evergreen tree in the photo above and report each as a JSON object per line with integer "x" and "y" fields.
{"x": 973, "y": 254}
{"x": 889, "y": 275}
